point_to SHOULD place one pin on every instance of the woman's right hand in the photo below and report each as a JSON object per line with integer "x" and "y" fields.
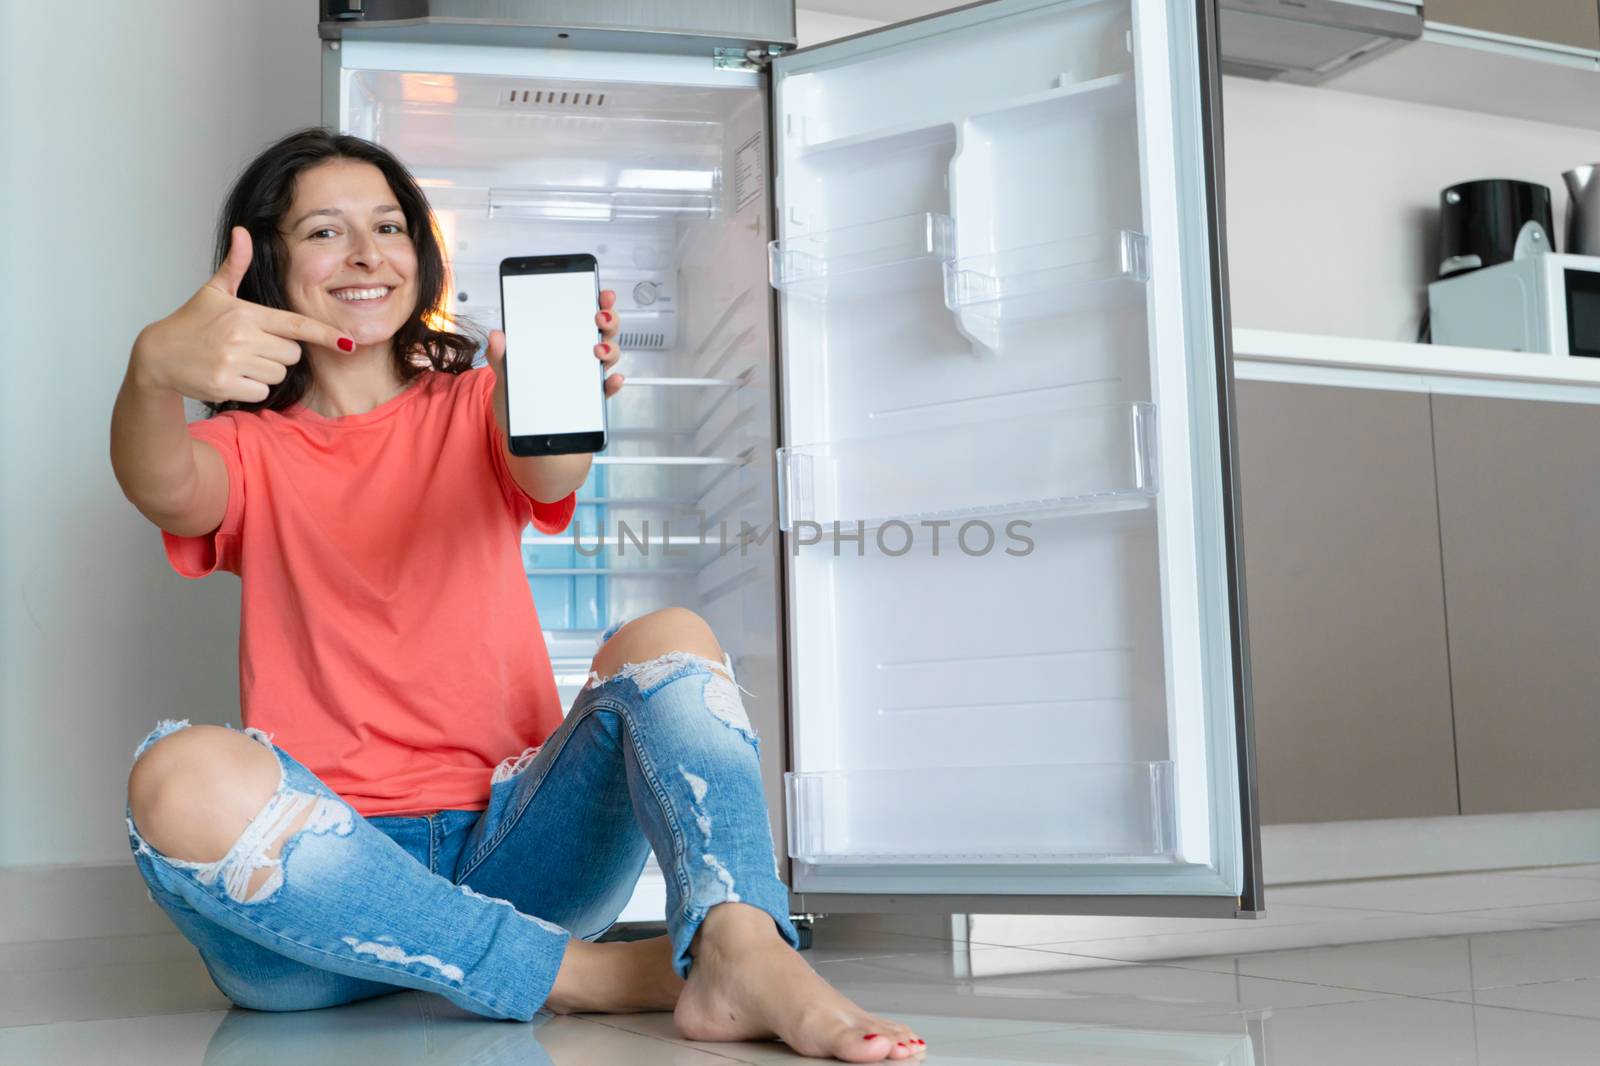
{"x": 218, "y": 347}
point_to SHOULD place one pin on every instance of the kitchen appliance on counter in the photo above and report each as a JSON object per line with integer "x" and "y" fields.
{"x": 1583, "y": 209}
{"x": 1539, "y": 303}
{"x": 949, "y": 723}
{"x": 1493, "y": 220}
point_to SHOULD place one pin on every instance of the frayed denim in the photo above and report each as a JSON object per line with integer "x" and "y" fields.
{"x": 479, "y": 906}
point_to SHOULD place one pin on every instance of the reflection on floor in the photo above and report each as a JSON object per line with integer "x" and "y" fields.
{"x": 1478, "y": 969}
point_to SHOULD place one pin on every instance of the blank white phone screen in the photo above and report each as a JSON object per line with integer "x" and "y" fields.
{"x": 553, "y": 377}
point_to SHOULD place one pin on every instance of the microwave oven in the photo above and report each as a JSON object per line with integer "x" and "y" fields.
{"x": 1545, "y": 303}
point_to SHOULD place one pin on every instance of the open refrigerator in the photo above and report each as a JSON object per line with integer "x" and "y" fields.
{"x": 928, "y": 410}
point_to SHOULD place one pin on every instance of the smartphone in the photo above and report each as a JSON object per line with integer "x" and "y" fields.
{"x": 555, "y": 386}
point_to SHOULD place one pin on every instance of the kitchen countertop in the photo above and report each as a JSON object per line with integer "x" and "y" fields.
{"x": 1270, "y": 355}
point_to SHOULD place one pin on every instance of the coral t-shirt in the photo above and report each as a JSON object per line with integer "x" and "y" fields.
{"x": 388, "y": 638}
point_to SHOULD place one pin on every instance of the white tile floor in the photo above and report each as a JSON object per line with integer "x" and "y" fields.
{"x": 1498, "y": 968}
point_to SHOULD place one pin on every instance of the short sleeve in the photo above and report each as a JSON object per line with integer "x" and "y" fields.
{"x": 546, "y": 517}
{"x": 198, "y": 556}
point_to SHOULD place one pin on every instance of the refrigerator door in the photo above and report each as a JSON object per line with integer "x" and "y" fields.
{"x": 1017, "y": 673}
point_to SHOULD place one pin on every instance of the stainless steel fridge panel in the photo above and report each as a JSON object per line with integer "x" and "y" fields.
{"x": 650, "y": 24}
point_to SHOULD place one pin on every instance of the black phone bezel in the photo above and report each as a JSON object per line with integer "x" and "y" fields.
{"x": 534, "y": 444}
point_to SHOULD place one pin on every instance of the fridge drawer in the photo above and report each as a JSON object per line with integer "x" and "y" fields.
{"x": 1053, "y": 813}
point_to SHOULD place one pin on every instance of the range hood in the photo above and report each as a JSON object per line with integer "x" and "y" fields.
{"x": 1310, "y": 41}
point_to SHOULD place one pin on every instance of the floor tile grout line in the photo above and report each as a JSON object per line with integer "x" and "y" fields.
{"x": 119, "y": 1018}
{"x": 1171, "y": 965}
{"x": 1474, "y": 1005}
{"x": 1463, "y": 910}
{"x": 1530, "y": 926}
{"x": 1514, "y": 984}
{"x": 1166, "y": 965}
{"x": 1471, "y": 914}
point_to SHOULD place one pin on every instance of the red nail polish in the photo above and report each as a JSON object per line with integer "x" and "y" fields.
{"x": 870, "y": 1036}
{"x": 346, "y": 344}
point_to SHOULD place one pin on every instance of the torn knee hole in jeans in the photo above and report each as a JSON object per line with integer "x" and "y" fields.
{"x": 247, "y": 872}
{"x": 721, "y": 691}
{"x": 275, "y": 825}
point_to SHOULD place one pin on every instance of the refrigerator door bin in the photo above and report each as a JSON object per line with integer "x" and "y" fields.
{"x": 872, "y": 145}
{"x": 1112, "y": 94}
{"x": 890, "y": 255}
{"x": 1094, "y": 458}
{"x": 1089, "y": 272}
{"x": 1054, "y": 813}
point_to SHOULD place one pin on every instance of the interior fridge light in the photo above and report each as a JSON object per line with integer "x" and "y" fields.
{"x": 428, "y": 88}
{"x": 680, "y": 180}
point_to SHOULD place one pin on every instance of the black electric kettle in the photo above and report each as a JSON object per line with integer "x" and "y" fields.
{"x": 1493, "y": 220}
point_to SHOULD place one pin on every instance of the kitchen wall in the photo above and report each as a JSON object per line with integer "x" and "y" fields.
{"x": 1333, "y": 199}
{"x": 123, "y": 125}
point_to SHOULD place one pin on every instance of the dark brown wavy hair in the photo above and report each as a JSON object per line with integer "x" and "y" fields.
{"x": 259, "y": 200}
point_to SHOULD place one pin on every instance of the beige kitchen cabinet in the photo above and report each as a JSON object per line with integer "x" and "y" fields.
{"x": 1570, "y": 22}
{"x": 1519, "y": 505}
{"x": 1346, "y": 604}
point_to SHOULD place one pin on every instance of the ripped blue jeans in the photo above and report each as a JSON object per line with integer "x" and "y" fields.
{"x": 478, "y": 906}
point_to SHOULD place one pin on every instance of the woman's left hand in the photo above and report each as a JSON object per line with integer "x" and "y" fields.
{"x": 606, "y": 351}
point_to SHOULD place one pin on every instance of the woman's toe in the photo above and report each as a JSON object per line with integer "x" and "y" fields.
{"x": 873, "y": 1043}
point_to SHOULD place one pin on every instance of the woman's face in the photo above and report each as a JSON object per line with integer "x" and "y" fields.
{"x": 351, "y": 260}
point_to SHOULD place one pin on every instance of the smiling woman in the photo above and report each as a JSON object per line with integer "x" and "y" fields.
{"x": 339, "y": 232}
{"x": 355, "y": 476}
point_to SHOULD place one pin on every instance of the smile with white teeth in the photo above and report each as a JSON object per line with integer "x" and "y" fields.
{"x": 357, "y": 295}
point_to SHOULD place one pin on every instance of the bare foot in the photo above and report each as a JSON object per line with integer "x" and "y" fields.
{"x": 616, "y": 978}
{"x": 746, "y": 983}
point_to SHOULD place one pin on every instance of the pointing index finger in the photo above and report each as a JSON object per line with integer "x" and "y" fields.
{"x": 300, "y": 328}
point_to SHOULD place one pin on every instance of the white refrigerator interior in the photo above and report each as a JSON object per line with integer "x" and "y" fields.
{"x": 994, "y": 368}
{"x": 648, "y": 179}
